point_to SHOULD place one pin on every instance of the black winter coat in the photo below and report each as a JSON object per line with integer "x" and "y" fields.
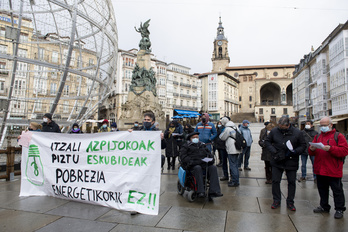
{"x": 191, "y": 154}
{"x": 218, "y": 143}
{"x": 266, "y": 154}
{"x": 50, "y": 127}
{"x": 308, "y": 136}
{"x": 276, "y": 144}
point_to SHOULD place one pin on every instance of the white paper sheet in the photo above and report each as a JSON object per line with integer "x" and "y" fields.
{"x": 289, "y": 145}
{"x": 317, "y": 145}
{"x": 206, "y": 159}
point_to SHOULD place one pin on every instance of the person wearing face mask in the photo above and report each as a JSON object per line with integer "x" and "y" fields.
{"x": 308, "y": 134}
{"x": 48, "y": 125}
{"x": 191, "y": 155}
{"x": 75, "y": 129}
{"x": 229, "y": 135}
{"x": 114, "y": 127}
{"x": 104, "y": 127}
{"x": 207, "y": 131}
{"x": 136, "y": 126}
{"x": 266, "y": 155}
{"x": 328, "y": 166}
{"x": 244, "y": 129}
{"x": 285, "y": 143}
{"x": 187, "y": 130}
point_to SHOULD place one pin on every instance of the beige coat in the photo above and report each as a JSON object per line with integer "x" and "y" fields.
{"x": 226, "y": 136}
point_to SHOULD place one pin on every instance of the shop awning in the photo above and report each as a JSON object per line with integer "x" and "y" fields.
{"x": 187, "y": 112}
{"x": 335, "y": 120}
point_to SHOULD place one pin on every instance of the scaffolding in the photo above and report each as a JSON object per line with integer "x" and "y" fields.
{"x": 56, "y": 57}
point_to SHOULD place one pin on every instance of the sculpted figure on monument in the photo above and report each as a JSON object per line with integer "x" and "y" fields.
{"x": 144, "y": 43}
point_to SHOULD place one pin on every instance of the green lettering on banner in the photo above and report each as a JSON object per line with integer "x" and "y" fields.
{"x": 128, "y": 147}
{"x": 143, "y": 159}
{"x": 130, "y": 161}
{"x": 124, "y": 161}
{"x": 89, "y": 148}
{"x": 89, "y": 159}
{"x": 142, "y": 145}
{"x": 121, "y": 145}
{"x": 149, "y": 145}
{"x": 137, "y": 145}
{"x": 113, "y": 160}
{"x": 95, "y": 146}
{"x": 102, "y": 144}
{"x": 130, "y": 196}
{"x": 95, "y": 157}
{"x": 137, "y": 162}
{"x": 115, "y": 145}
{"x": 141, "y": 198}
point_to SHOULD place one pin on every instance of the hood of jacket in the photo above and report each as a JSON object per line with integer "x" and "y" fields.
{"x": 230, "y": 124}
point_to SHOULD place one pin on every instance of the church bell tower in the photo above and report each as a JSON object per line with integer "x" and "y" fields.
{"x": 220, "y": 58}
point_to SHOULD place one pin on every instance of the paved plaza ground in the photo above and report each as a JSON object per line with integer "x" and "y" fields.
{"x": 243, "y": 208}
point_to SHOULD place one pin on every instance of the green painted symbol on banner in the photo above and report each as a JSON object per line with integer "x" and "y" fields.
{"x": 34, "y": 167}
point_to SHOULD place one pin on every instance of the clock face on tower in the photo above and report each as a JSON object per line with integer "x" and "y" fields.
{"x": 219, "y": 43}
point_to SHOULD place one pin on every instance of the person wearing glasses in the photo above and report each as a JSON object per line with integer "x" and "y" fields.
{"x": 328, "y": 166}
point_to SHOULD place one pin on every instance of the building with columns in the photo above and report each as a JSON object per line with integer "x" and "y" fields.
{"x": 257, "y": 93}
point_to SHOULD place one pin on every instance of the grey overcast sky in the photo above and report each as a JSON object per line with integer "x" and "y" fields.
{"x": 260, "y": 32}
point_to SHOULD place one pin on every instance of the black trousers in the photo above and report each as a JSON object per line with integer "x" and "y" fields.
{"x": 212, "y": 176}
{"x": 277, "y": 174}
{"x": 323, "y": 184}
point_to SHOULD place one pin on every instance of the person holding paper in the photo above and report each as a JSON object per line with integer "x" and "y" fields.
{"x": 285, "y": 143}
{"x": 328, "y": 166}
{"x": 308, "y": 134}
{"x": 193, "y": 157}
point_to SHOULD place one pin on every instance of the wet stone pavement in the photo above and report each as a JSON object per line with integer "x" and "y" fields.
{"x": 243, "y": 208}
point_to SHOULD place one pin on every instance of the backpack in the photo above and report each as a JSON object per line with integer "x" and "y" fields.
{"x": 240, "y": 141}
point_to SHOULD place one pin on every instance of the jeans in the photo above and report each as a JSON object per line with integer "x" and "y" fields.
{"x": 246, "y": 155}
{"x": 233, "y": 160}
{"x": 323, "y": 183}
{"x": 277, "y": 174}
{"x": 304, "y": 158}
{"x": 224, "y": 157}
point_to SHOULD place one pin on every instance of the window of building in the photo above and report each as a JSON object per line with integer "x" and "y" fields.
{"x": 240, "y": 98}
{"x": 285, "y": 110}
{"x": 250, "y": 98}
{"x": 38, "y": 105}
{"x": 3, "y": 49}
{"x": 275, "y": 74}
{"x": 65, "y": 107}
{"x": 250, "y": 78}
{"x": 53, "y": 89}
{"x": 188, "y": 91}
{"x": 41, "y": 53}
{"x": 2, "y": 85}
{"x": 260, "y": 110}
{"x": 22, "y": 52}
{"x": 256, "y": 74}
{"x": 235, "y": 74}
{"x": 240, "y": 106}
{"x": 66, "y": 90}
{"x": 249, "y": 105}
{"x": 245, "y": 79}
{"x": 55, "y": 57}
{"x": 19, "y": 87}
{"x": 181, "y": 102}
{"x": 272, "y": 110}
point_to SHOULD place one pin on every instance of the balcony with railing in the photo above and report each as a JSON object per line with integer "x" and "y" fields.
{"x": 185, "y": 96}
{"x": 184, "y": 84}
{"x": 175, "y": 83}
{"x": 175, "y": 94}
{"x": 194, "y": 86}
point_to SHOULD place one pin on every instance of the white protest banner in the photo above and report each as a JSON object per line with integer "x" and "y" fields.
{"x": 121, "y": 170}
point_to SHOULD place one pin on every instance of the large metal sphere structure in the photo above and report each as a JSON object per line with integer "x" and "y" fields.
{"x": 57, "y": 56}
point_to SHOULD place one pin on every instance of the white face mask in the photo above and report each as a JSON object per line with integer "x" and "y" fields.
{"x": 45, "y": 119}
{"x": 195, "y": 140}
{"x": 307, "y": 127}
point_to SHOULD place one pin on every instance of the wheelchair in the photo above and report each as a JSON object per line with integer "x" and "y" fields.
{"x": 187, "y": 185}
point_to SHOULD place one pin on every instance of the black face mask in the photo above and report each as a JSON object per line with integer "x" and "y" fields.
{"x": 29, "y": 129}
{"x": 147, "y": 125}
{"x": 203, "y": 120}
{"x": 284, "y": 130}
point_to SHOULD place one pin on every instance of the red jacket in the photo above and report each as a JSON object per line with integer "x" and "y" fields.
{"x": 329, "y": 163}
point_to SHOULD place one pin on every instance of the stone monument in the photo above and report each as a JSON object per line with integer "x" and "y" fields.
{"x": 142, "y": 96}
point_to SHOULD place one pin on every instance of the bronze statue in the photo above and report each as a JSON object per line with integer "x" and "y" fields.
{"x": 144, "y": 43}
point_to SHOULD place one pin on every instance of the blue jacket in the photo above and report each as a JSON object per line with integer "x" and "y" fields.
{"x": 207, "y": 132}
{"x": 247, "y": 135}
